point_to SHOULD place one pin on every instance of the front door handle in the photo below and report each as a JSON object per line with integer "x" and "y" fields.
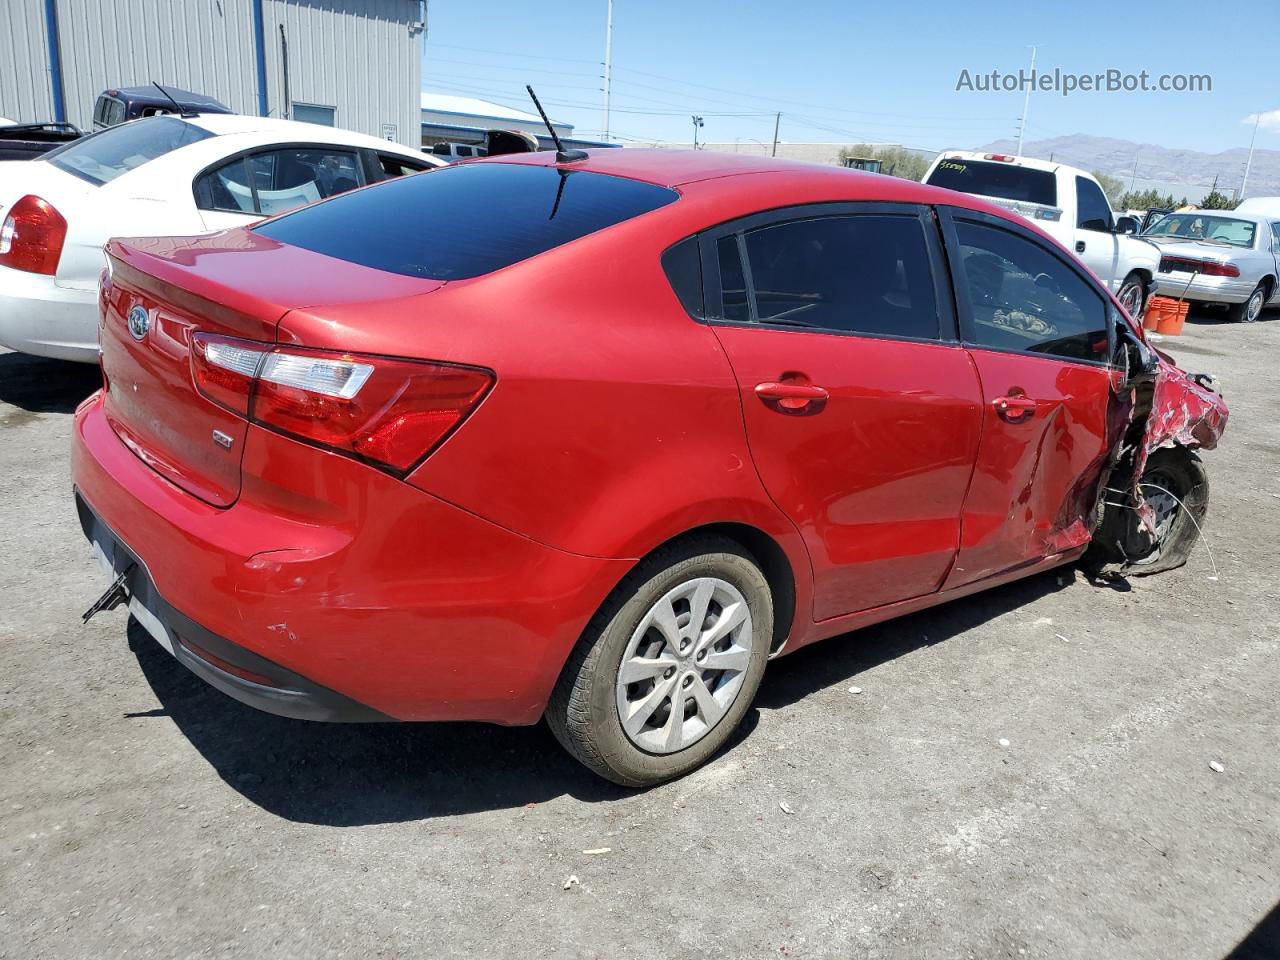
{"x": 791, "y": 396}
{"x": 1015, "y": 408}
{"x": 1079, "y": 246}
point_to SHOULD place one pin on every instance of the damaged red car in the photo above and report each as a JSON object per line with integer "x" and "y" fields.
{"x": 595, "y": 439}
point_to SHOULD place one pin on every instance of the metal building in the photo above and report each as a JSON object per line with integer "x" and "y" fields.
{"x": 351, "y": 63}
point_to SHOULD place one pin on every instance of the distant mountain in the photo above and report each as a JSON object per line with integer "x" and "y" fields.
{"x": 1167, "y": 169}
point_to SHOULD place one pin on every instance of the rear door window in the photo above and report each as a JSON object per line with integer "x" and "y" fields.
{"x": 276, "y": 181}
{"x": 864, "y": 274}
{"x": 286, "y": 179}
{"x": 1023, "y": 298}
{"x": 992, "y": 178}
{"x": 496, "y": 214}
{"x": 392, "y": 166}
{"x": 115, "y": 151}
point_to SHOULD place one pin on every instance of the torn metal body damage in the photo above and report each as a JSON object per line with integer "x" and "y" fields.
{"x": 1158, "y": 407}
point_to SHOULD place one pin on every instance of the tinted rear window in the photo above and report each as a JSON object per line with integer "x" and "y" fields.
{"x": 460, "y": 222}
{"x": 117, "y": 150}
{"x": 994, "y": 179}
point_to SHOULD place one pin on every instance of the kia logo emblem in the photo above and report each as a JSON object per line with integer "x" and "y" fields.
{"x": 139, "y": 323}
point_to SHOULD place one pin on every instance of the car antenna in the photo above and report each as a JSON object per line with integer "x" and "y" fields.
{"x": 182, "y": 111}
{"x": 562, "y": 155}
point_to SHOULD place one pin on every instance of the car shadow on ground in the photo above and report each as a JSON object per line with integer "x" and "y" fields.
{"x": 39, "y": 385}
{"x": 1263, "y": 941}
{"x": 357, "y": 774}
{"x": 1203, "y": 316}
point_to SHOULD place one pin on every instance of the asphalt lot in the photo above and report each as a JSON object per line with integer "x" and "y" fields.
{"x": 144, "y": 814}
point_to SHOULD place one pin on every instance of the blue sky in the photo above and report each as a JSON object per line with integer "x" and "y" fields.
{"x": 849, "y": 71}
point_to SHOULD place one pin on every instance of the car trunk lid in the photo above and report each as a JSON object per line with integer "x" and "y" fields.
{"x": 175, "y": 287}
{"x": 1178, "y": 255}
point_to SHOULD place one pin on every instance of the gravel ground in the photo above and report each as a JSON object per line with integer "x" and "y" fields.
{"x": 1025, "y": 772}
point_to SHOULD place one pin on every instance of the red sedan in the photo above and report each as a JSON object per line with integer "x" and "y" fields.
{"x": 595, "y": 440}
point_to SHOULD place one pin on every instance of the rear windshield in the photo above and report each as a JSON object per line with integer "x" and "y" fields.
{"x": 110, "y": 153}
{"x": 994, "y": 179}
{"x": 492, "y": 215}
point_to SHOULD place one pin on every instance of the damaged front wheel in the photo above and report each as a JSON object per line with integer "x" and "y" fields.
{"x": 1175, "y": 488}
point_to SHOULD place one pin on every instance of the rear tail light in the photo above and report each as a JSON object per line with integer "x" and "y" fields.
{"x": 223, "y": 369}
{"x": 1206, "y": 268}
{"x": 31, "y": 236}
{"x": 389, "y": 412}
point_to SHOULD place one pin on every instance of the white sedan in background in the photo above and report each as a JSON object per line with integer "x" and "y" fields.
{"x": 159, "y": 176}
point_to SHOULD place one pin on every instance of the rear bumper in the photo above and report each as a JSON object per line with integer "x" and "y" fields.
{"x": 364, "y": 597}
{"x": 41, "y": 318}
{"x": 1205, "y": 289}
{"x": 237, "y": 672}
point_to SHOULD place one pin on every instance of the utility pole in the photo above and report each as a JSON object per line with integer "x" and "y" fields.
{"x": 1026, "y": 102}
{"x": 697, "y": 122}
{"x": 777, "y": 121}
{"x": 1134, "y": 176}
{"x": 608, "y": 66}
{"x": 1249, "y": 163}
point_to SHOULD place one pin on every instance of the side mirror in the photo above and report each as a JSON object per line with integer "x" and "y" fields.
{"x": 1128, "y": 226}
{"x": 1096, "y": 224}
{"x": 1134, "y": 359}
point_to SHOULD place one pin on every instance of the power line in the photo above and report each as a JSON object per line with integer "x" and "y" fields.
{"x": 510, "y": 53}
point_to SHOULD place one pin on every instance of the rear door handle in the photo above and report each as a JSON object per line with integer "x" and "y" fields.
{"x": 1015, "y": 409}
{"x": 791, "y": 391}
{"x": 791, "y": 396}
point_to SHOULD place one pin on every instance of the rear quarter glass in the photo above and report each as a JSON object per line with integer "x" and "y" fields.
{"x": 496, "y": 214}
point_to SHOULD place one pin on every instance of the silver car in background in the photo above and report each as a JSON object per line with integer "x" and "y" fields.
{"x": 1219, "y": 257}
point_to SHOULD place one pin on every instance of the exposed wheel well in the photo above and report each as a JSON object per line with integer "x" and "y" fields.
{"x": 1146, "y": 276}
{"x": 773, "y": 564}
{"x": 1269, "y": 285}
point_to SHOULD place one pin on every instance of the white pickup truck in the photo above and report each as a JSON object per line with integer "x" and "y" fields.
{"x": 1066, "y": 203}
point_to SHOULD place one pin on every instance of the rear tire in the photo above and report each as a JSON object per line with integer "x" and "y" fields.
{"x": 1179, "y": 472}
{"x": 1251, "y": 309}
{"x": 648, "y": 625}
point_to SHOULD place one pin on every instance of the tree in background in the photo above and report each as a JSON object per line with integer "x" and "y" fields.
{"x": 1146, "y": 200}
{"x": 1216, "y": 200}
{"x": 894, "y": 161}
{"x": 1113, "y": 187}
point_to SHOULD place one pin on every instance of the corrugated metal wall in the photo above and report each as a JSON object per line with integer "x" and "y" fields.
{"x": 24, "y": 62}
{"x": 200, "y": 45}
{"x": 362, "y": 57}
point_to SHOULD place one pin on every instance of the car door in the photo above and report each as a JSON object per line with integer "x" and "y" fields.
{"x": 862, "y": 412}
{"x": 1038, "y": 329}
{"x": 265, "y": 182}
{"x": 1096, "y": 242}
